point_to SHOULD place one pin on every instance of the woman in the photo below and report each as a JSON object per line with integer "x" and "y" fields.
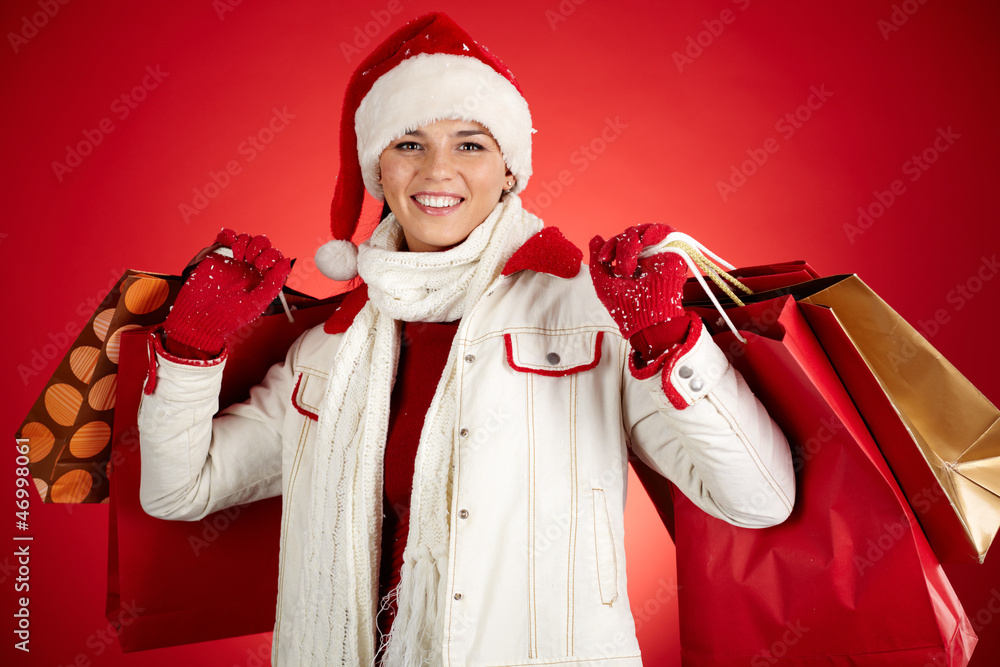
{"x": 470, "y": 482}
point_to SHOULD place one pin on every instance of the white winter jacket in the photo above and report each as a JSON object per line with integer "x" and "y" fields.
{"x": 548, "y": 410}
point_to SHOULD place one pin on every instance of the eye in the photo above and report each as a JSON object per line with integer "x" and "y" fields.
{"x": 471, "y": 146}
{"x": 407, "y": 146}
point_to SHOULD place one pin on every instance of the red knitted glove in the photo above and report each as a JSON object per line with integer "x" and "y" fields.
{"x": 640, "y": 293}
{"x": 224, "y": 294}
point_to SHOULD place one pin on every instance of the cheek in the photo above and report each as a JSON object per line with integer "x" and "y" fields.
{"x": 393, "y": 185}
{"x": 491, "y": 178}
{"x": 393, "y": 173}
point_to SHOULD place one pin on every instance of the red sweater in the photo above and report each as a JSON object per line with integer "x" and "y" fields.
{"x": 422, "y": 357}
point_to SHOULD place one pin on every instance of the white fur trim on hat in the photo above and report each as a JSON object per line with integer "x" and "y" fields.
{"x": 436, "y": 86}
{"x": 337, "y": 260}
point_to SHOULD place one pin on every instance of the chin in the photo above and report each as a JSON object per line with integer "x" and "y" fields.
{"x": 438, "y": 238}
{"x": 438, "y": 244}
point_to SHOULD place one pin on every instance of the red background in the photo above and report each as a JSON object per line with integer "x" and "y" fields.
{"x": 584, "y": 66}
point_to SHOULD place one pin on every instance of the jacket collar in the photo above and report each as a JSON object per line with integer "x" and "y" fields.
{"x": 548, "y": 251}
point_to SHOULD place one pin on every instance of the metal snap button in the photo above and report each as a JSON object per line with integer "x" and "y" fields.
{"x": 464, "y": 432}
{"x": 552, "y": 358}
{"x": 469, "y": 358}
{"x": 696, "y": 384}
{"x": 685, "y": 372}
{"x": 463, "y": 514}
{"x": 458, "y": 596}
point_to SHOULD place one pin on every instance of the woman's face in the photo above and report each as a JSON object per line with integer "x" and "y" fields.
{"x": 441, "y": 181}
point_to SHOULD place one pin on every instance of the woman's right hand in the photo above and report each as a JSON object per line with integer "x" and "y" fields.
{"x": 225, "y": 293}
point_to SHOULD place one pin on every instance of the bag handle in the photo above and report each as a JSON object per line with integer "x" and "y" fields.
{"x": 693, "y": 252}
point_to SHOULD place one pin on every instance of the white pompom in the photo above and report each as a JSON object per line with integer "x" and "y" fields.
{"x": 338, "y": 260}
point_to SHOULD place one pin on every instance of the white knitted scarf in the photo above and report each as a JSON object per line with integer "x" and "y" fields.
{"x": 335, "y": 621}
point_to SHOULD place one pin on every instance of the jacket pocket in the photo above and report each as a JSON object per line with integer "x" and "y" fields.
{"x": 553, "y": 353}
{"x": 308, "y": 394}
{"x": 604, "y": 545}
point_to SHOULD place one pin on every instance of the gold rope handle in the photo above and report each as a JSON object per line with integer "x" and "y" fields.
{"x": 715, "y": 273}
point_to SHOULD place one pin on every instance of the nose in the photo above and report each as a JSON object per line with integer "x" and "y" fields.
{"x": 439, "y": 164}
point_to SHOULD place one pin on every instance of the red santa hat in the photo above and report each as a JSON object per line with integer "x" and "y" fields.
{"x": 428, "y": 70}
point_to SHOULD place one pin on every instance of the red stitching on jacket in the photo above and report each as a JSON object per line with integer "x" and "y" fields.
{"x": 298, "y": 407}
{"x": 184, "y": 361}
{"x": 155, "y": 347}
{"x": 151, "y": 371}
{"x": 507, "y": 341}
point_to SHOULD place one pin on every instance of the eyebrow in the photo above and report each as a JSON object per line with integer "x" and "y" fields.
{"x": 460, "y": 133}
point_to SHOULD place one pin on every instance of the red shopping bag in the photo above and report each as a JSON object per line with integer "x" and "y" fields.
{"x": 849, "y": 578}
{"x": 180, "y": 582}
{"x": 761, "y": 278}
{"x": 939, "y": 435}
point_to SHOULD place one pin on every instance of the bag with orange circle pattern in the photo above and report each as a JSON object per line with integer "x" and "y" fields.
{"x": 68, "y": 429}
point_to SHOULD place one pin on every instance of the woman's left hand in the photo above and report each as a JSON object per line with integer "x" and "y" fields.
{"x": 638, "y": 293}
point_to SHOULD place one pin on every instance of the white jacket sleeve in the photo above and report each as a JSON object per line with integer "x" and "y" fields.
{"x": 722, "y": 450}
{"x": 192, "y": 464}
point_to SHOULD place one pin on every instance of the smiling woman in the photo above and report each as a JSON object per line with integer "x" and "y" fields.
{"x": 452, "y": 446}
{"x": 441, "y": 181}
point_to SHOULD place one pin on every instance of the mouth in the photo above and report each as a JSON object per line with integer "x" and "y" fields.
{"x": 437, "y": 203}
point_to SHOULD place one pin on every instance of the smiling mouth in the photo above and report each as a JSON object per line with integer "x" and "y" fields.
{"x": 437, "y": 201}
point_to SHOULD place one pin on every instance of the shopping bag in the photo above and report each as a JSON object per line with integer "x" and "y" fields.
{"x": 849, "y": 578}
{"x": 939, "y": 434}
{"x": 760, "y": 278}
{"x": 178, "y": 582}
{"x": 68, "y": 429}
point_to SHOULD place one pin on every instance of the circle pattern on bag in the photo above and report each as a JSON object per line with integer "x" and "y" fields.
{"x": 146, "y": 295}
{"x": 103, "y": 393}
{"x": 102, "y": 321}
{"x": 90, "y": 439}
{"x": 63, "y": 403}
{"x": 40, "y": 440}
{"x": 72, "y": 487}
{"x": 82, "y": 361}
{"x": 70, "y": 426}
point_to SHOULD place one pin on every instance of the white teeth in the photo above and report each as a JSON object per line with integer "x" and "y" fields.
{"x": 437, "y": 202}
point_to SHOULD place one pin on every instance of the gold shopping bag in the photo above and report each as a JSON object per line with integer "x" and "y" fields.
{"x": 939, "y": 434}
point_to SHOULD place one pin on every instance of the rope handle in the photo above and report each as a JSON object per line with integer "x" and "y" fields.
{"x": 694, "y": 253}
